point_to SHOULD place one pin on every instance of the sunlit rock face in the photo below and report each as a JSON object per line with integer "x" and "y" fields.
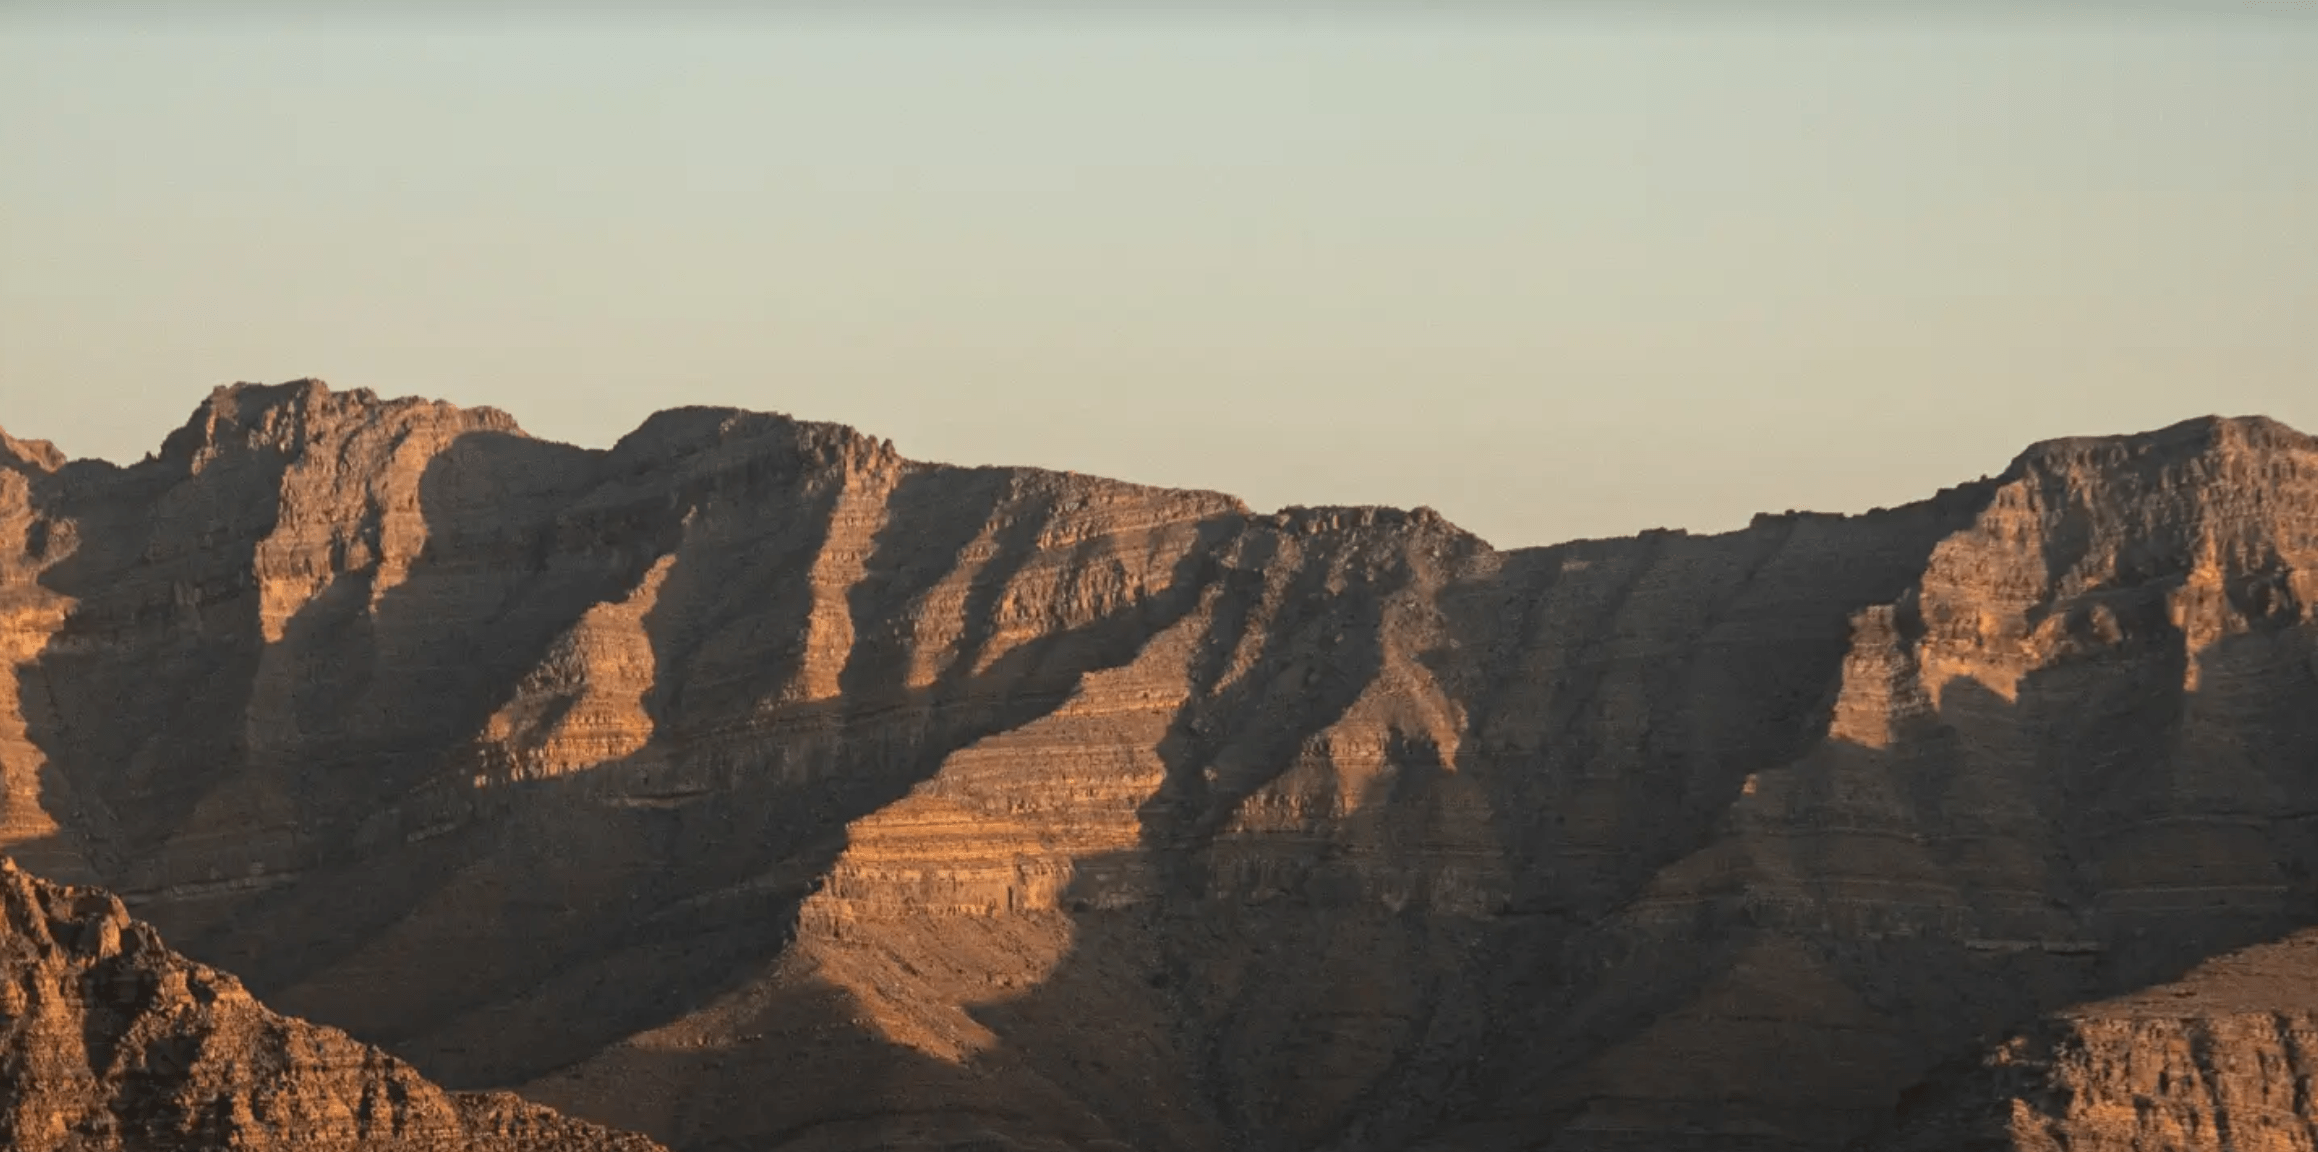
{"x": 113, "y": 1043}
{"x": 750, "y": 786}
{"x": 2221, "y": 1058}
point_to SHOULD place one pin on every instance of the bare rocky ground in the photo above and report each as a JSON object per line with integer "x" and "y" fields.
{"x": 751, "y": 787}
{"x": 109, "y": 1042}
{"x": 2220, "y": 1058}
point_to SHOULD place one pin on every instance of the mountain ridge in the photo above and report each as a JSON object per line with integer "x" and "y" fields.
{"x": 284, "y": 396}
{"x": 786, "y": 793}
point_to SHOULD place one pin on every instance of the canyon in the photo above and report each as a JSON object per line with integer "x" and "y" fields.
{"x": 746, "y": 785}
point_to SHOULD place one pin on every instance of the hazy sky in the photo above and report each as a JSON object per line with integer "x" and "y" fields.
{"x": 1555, "y": 275}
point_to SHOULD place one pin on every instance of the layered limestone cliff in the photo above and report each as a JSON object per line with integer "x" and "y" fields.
{"x": 2222, "y": 1058}
{"x": 109, "y": 1041}
{"x": 751, "y": 786}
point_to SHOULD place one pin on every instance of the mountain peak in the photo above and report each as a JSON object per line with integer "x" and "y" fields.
{"x": 286, "y": 418}
{"x": 2203, "y": 436}
{"x": 749, "y": 787}
{"x": 35, "y": 454}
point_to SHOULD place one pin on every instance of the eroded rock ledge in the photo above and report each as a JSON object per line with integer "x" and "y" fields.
{"x": 109, "y": 1041}
{"x": 2223, "y": 1058}
{"x": 751, "y": 786}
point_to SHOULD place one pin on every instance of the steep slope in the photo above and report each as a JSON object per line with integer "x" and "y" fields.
{"x": 110, "y": 1041}
{"x": 2222, "y": 1058}
{"x": 773, "y": 791}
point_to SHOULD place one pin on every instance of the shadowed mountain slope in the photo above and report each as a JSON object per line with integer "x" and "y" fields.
{"x": 2221, "y": 1058}
{"x": 109, "y": 1041}
{"x": 747, "y": 785}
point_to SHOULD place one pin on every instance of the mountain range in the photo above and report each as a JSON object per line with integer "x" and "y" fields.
{"x": 746, "y": 785}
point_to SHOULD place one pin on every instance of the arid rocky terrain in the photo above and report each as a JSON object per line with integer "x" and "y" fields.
{"x": 748, "y": 786}
{"x": 111, "y": 1043}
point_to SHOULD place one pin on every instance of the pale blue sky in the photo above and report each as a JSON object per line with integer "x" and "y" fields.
{"x": 1555, "y": 275}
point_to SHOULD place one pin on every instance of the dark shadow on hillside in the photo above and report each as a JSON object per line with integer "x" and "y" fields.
{"x": 172, "y": 661}
{"x": 1317, "y": 650}
{"x": 1310, "y": 1019}
{"x": 639, "y": 890}
{"x": 1282, "y": 989}
{"x": 576, "y": 913}
{"x": 319, "y": 739}
{"x": 1942, "y": 986}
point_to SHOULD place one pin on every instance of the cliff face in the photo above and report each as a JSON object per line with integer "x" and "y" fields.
{"x": 110, "y": 1041}
{"x": 750, "y": 786}
{"x": 2220, "y": 1059}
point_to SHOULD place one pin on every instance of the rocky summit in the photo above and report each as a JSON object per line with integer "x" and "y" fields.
{"x": 749, "y": 786}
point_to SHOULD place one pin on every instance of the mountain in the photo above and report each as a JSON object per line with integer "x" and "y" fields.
{"x": 2220, "y": 1058}
{"x": 111, "y": 1041}
{"x": 752, "y": 787}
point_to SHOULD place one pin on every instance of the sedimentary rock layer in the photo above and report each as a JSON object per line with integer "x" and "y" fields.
{"x": 751, "y": 786}
{"x": 2222, "y": 1058}
{"x": 109, "y": 1041}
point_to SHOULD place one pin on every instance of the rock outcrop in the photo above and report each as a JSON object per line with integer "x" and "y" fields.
{"x": 750, "y": 786}
{"x": 109, "y": 1041}
{"x": 2221, "y": 1059}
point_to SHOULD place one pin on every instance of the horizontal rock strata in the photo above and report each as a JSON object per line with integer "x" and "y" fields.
{"x": 2221, "y": 1058}
{"x": 109, "y": 1041}
{"x": 750, "y": 786}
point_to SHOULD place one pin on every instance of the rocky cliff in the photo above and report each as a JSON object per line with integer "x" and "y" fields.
{"x": 748, "y": 785}
{"x": 2220, "y": 1059}
{"x": 109, "y": 1041}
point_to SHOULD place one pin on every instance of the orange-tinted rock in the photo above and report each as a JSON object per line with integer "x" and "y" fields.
{"x": 2221, "y": 1058}
{"x": 751, "y": 786}
{"x": 109, "y": 1041}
